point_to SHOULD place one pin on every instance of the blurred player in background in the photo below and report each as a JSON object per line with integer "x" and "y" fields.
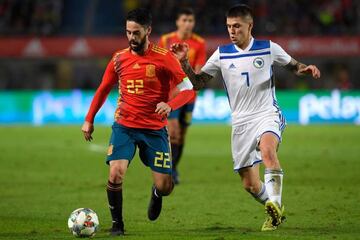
{"x": 145, "y": 73}
{"x": 180, "y": 119}
{"x": 257, "y": 123}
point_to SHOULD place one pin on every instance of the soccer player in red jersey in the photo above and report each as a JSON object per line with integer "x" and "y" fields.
{"x": 180, "y": 119}
{"x": 145, "y": 73}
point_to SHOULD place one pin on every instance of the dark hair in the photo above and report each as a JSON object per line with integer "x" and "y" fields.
{"x": 141, "y": 16}
{"x": 184, "y": 11}
{"x": 241, "y": 10}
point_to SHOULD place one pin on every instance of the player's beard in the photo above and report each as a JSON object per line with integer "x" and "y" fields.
{"x": 139, "y": 46}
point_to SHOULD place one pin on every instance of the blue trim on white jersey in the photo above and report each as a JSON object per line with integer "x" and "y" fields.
{"x": 229, "y": 48}
{"x": 282, "y": 121}
{"x": 227, "y": 93}
{"x": 260, "y": 44}
{"x": 244, "y": 55}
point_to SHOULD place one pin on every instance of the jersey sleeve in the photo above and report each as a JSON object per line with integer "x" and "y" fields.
{"x": 212, "y": 66}
{"x": 109, "y": 79}
{"x": 177, "y": 75}
{"x": 201, "y": 55}
{"x": 278, "y": 54}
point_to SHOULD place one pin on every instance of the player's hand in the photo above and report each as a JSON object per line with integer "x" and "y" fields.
{"x": 180, "y": 50}
{"x": 163, "y": 109}
{"x": 311, "y": 70}
{"x": 87, "y": 129}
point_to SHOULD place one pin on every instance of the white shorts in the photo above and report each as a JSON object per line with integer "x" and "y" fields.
{"x": 245, "y": 139}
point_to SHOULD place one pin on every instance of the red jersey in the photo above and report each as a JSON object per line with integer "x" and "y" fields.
{"x": 144, "y": 81}
{"x": 197, "y": 49}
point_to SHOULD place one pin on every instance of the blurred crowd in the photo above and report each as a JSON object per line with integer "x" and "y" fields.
{"x": 272, "y": 17}
{"x": 38, "y": 17}
{"x": 275, "y": 17}
{"x": 106, "y": 17}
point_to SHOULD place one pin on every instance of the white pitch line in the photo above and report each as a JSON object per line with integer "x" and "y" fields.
{"x": 97, "y": 148}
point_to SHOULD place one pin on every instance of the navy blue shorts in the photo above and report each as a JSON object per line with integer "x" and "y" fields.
{"x": 183, "y": 114}
{"x": 154, "y": 149}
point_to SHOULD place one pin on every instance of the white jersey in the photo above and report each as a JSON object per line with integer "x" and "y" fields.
{"x": 248, "y": 78}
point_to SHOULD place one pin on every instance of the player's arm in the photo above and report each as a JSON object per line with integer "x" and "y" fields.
{"x": 183, "y": 84}
{"x": 198, "y": 80}
{"x": 186, "y": 93}
{"x": 108, "y": 81}
{"x": 280, "y": 57}
{"x": 301, "y": 69}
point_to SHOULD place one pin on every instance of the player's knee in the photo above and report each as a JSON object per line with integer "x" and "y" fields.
{"x": 268, "y": 154}
{"x": 117, "y": 174}
{"x": 174, "y": 131}
{"x": 175, "y": 138}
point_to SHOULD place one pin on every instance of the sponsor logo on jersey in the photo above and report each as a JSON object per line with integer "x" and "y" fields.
{"x": 136, "y": 66}
{"x": 258, "y": 62}
{"x": 232, "y": 66}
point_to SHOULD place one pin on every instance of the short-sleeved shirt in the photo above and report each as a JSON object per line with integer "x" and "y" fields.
{"x": 248, "y": 77}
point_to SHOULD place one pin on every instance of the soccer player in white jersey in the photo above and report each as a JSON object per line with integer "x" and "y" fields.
{"x": 245, "y": 66}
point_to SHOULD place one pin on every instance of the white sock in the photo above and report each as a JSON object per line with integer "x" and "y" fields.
{"x": 273, "y": 182}
{"x": 261, "y": 196}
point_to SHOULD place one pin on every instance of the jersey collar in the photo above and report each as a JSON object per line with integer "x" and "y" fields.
{"x": 146, "y": 52}
{"x": 247, "y": 48}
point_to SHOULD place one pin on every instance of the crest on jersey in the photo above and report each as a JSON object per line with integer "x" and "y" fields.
{"x": 110, "y": 150}
{"x": 150, "y": 70}
{"x": 258, "y": 62}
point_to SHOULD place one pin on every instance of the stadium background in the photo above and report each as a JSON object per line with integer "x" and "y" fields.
{"x": 52, "y": 56}
{"x": 54, "y": 45}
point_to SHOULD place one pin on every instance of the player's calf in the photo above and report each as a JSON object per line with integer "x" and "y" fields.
{"x": 164, "y": 187}
{"x": 268, "y": 147}
{"x": 115, "y": 197}
{"x": 259, "y": 193}
{"x": 269, "y": 157}
{"x": 252, "y": 184}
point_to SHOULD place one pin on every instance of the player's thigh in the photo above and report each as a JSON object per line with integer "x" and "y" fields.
{"x": 174, "y": 130}
{"x": 154, "y": 150}
{"x": 268, "y": 146}
{"x": 269, "y": 140}
{"x": 121, "y": 145}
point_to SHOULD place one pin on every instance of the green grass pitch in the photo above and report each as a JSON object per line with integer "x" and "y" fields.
{"x": 46, "y": 172}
